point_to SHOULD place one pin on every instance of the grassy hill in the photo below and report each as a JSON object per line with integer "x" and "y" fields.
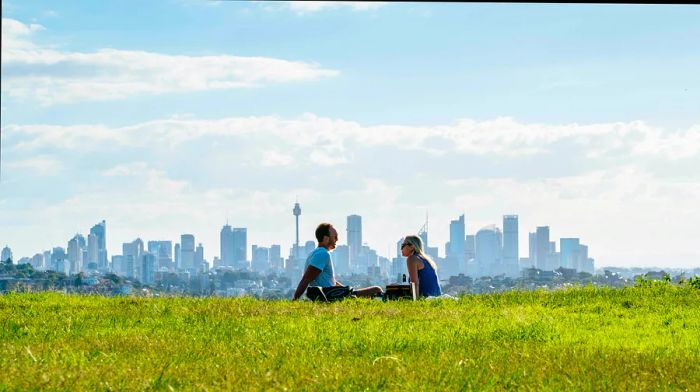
{"x": 635, "y": 338}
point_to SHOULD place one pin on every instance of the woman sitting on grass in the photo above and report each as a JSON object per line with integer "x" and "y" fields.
{"x": 421, "y": 268}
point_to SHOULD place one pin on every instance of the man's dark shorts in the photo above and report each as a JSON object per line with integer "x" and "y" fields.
{"x": 329, "y": 294}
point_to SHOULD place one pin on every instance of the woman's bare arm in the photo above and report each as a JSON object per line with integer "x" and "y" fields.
{"x": 412, "y": 265}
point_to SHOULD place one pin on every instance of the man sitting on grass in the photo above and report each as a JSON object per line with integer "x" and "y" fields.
{"x": 319, "y": 276}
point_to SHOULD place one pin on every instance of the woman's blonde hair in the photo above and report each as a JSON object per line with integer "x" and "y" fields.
{"x": 417, "y": 243}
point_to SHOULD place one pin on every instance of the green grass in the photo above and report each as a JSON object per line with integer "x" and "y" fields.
{"x": 638, "y": 338}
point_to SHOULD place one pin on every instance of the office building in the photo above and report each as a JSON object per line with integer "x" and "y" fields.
{"x": 260, "y": 258}
{"x": 510, "y": 246}
{"x": 455, "y": 252}
{"x": 75, "y": 256}
{"x": 227, "y": 247}
{"x": 6, "y": 254}
{"x": 570, "y": 253}
{"x": 240, "y": 248}
{"x": 354, "y": 235}
{"x": 186, "y": 252}
{"x": 488, "y": 243}
{"x": 100, "y": 231}
{"x": 542, "y": 250}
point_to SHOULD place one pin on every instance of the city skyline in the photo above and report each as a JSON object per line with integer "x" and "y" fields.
{"x": 490, "y": 252}
{"x": 191, "y": 114}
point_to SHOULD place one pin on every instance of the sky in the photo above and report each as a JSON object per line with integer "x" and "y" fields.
{"x": 178, "y": 116}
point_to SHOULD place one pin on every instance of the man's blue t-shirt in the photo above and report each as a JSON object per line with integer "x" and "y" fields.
{"x": 321, "y": 258}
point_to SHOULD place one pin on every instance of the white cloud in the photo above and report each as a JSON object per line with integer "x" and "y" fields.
{"x": 31, "y": 71}
{"x": 130, "y": 169}
{"x": 40, "y": 165}
{"x": 325, "y": 158}
{"x": 499, "y": 137}
{"x": 274, "y": 158}
{"x": 15, "y": 34}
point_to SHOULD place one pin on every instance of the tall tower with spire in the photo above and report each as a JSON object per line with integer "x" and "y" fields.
{"x": 297, "y": 212}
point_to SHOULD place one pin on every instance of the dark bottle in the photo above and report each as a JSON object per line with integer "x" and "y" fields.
{"x": 403, "y": 278}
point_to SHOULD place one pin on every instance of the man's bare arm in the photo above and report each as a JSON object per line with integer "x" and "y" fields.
{"x": 310, "y": 274}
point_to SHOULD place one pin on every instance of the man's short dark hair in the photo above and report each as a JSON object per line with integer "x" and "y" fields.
{"x": 324, "y": 229}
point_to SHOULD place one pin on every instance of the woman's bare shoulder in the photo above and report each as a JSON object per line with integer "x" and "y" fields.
{"x": 413, "y": 259}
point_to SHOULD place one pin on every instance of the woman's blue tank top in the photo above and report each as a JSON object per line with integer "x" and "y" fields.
{"x": 429, "y": 284}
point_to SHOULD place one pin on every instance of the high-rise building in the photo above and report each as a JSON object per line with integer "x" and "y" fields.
{"x": 470, "y": 247}
{"x": 455, "y": 252}
{"x": 341, "y": 260}
{"x": 59, "y": 261}
{"x": 199, "y": 258}
{"x": 227, "y": 248}
{"x": 423, "y": 234}
{"x": 163, "y": 250}
{"x": 178, "y": 259}
{"x": 354, "y": 234}
{"x": 510, "y": 245}
{"x": 92, "y": 250}
{"x": 532, "y": 247}
{"x": 297, "y": 212}
{"x": 148, "y": 266}
{"x": 38, "y": 262}
{"x": 240, "y": 248}
{"x": 570, "y": 252}
{"x": 6, "y": 254}
{"x": 488, "y": 243}
{"x": 100, "y": 231}
{"x": 131, "y": 265}
{"x": 583, "y": 258}
{"x": 118, "y": 265}
{"x": 75, "y": 255}
{"x": 309, "y": 247}
{"x": 47, "y": 260}
{"x": 276, "y": 260}
{"x": 542, "y": 250}
{"x": 186, "y": 251}
{"x": 260, "y": 258}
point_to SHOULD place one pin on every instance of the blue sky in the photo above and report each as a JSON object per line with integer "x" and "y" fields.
{"x": 167, "y": 117}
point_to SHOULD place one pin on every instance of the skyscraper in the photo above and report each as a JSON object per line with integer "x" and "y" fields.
{"x": 510, "y": 245}
{"x": 542, "y": 249}
{"x": 100, "y": 231}
{"x": 240, "y": 248}
{"x": 570, "y": 252}
{"x": 455, "y": 251}
{"x": 178, "y": 261}
{"x": 488, "y": 250}
{"x": 131, "y": 263}
{"x": 470, "y": 247}
{"x": 227, "y": 249}
{"x": 187, "y": 252}
{"x": 260, "y": 258}
{"x": 199, "y": 258}
{"x": 354, "y": 232}
{"x": 92, "y": 250}
{"x": 296, "y": 211}
{"x": 148, "y": 265}
{"x": 163, "y": 250}
{"x": 47, "y": 260}
{"x": 276, "y": 260}
{"x": 58, "y": 260}
{"x": 532, "y": 248}
{"x": 75, "y": 255}
{"x": 38, "y": 262}
{"x": 6, "y": 254}
{"x": 341, "y": 260}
